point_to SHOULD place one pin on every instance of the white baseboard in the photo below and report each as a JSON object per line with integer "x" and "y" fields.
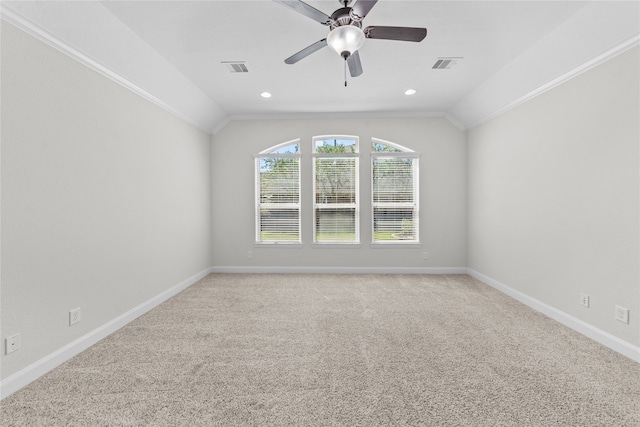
{"x": 340, "y": 270}
{"x": 590, "y": 331}
{"x": 34, "y": 371}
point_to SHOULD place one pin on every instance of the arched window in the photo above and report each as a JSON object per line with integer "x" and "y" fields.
{"x": 278, "y": 194}
{"x": 394, "y": 195}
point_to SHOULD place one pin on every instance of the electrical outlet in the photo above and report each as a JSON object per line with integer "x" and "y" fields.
{"x": 584, "y": 300}
{"x": 12, "y": 344}
{"x": 74, "y": 316}
{"x": 425, "y": 255}
{"x": 622, "y": 314}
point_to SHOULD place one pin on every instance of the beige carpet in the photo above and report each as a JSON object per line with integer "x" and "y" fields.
{"x": 323, "y": 350}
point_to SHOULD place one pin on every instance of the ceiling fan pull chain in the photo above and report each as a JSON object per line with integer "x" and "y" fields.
{"x": 345, "y": 72}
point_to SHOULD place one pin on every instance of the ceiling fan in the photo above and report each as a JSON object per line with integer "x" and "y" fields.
{"x": 346, "y": 35}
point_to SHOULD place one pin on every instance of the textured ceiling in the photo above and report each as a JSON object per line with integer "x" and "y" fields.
{"x": 173, "y": 50}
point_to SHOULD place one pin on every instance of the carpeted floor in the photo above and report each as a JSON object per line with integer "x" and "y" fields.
{"x": 324, "y": 350}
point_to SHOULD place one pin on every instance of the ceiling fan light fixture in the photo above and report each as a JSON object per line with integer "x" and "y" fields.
{"x": 346, "y": 39}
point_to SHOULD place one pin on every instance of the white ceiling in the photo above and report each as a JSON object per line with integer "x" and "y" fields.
{"x": 171, "y": 52}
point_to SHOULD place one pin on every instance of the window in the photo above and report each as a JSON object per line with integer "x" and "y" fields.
{"x": 278, "y": 194}
{"x": 335, "y": 206}
{"x": 394, "y": 171}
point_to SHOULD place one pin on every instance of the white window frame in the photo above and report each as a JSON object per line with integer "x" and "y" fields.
{"x": 355, "y": 205}
{"x": 259, "y": 205}
{"x": 404, "y": 153}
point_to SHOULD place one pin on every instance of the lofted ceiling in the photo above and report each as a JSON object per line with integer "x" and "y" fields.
{"x": 173, "y": 53}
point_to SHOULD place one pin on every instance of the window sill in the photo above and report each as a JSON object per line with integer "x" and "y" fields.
{"x": 336, "y": 245}
{"x": 278, "y": 245}
{"x": 396, "y": 245}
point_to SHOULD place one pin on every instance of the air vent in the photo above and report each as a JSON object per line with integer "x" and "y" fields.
{"x": 446, "y": 63}
{"x": 235, "y": 66}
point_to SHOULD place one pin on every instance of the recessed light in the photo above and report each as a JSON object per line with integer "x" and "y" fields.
{"x": 265, "y": 95}
{"x": 410, "y": 92}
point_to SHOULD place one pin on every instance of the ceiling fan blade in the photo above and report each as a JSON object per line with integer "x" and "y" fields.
{"x": 362, "y": 7}
{"x": 306, "y": 10}
{"x": 407, "y": 34}
{"x": 355, "y": 66}
{"x": 306, "y": 52}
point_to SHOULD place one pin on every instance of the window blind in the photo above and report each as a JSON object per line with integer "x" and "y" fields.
{"x": 395, "y": 198}
{"x": 336, "y": 195}
{"x": 278, "y": 199}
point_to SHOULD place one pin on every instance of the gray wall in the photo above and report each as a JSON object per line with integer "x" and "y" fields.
{"x": 105, "y": 199}
{"x": 108, "y": 200}
{"x": 554, "y": 196}
{"x": 442, "y": 195}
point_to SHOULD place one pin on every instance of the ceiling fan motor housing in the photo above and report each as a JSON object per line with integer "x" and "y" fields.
{"x": 342, "y": 17}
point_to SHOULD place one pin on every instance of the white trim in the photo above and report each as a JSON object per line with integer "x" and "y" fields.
{"x": 339, "y": 270}
{"x": 401, "y": 148}
{"x": 342, "y": 115}
{"x": 278, "y": 155}
{"x": 336, "y": 245}
{"x": 34, "y": 371}
{"x": 279, "y": 245}
{"x": 32, "y": 29}
{"x": 269, "y": 152}
{"x": 455, "y": 122}
{"x": 394, "y": 154}
{"x": 594, "y": 62}
{"x": 221, "y": 124}
{"x": 35, "y": 30}
{"x": 336, "y": 155}
{"x": 614, "y": 343}
{"x": 395, "y": 244}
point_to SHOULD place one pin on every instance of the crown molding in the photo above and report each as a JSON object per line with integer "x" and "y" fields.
{"x": 187, "y": 102}
{"x": 594, "y": 62}
{"x": 16, "y": 19}
{"x": 343, "y": 115}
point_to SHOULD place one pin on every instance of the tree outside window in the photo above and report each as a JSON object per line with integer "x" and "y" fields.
{"x": 336, "y": 190}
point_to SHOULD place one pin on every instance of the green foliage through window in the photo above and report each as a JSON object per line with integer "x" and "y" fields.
{"x": 336, "y": 190}
{"x": 278, "y": 194}
{"x": 394, "y": 193}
